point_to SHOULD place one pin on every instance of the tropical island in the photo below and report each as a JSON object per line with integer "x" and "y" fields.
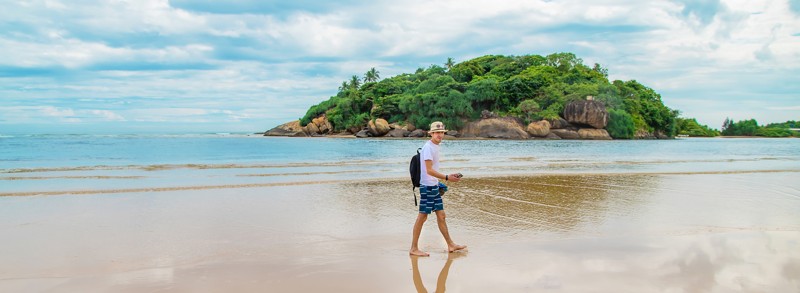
{"x": 495, "y": 96}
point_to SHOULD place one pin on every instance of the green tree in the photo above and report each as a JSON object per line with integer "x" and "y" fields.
{"x": 740, "y": 128}
{"x": 484, "y": 93}
{"x": 726, "y": 125}
{"x": 563, "y": 62}
{"x": 620, "y": 124}
{"x": 690, "y": 127}
{"x": 773, "y": 132}
{"x": 355, "y": 82}
{"x": 449, "y": 64}
{"x": 646, "y": 108}
{"x": 599, "y": 69}
{"x": 372, "y": 75}
{"x": 529, "y": 108}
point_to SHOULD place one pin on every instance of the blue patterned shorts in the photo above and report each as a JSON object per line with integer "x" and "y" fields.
{"x": 430, "y": 199}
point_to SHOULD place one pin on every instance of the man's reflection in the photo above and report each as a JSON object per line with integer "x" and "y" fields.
{"x": 442, "y": 280}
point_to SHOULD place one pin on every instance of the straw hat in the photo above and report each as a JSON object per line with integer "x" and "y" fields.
{"x": 437, "y": 126}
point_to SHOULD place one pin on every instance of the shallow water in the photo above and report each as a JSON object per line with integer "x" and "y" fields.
{"x": 86, "y": 164}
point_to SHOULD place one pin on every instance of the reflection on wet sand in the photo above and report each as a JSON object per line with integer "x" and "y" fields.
{"x": 552, "y": 203}
{"x": 441, "y": 281}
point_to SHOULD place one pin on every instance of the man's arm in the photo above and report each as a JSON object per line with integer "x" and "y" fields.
{"x": 434, "y": 173}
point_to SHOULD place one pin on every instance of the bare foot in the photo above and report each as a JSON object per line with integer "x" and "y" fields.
{"x": 455, "y": 247}
{"x": 418, "y": 252}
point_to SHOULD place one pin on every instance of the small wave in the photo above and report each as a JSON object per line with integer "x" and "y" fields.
{"x": 523, "y": 159}
{"x": 160, "y": 167}
{"x": 137, "y": 135}
{"x": 165, "y": 189}
{"x": 568, "y": 163}
{"x": 303, "y": 173}
{"x": 69, "y": 177}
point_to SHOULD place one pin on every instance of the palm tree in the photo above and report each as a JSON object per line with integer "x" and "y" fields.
{"x": 372, "y": 75}
{"x": 449, "y": 64}
{"x": 355, "y": 82}
{"x": 344, "y": 86}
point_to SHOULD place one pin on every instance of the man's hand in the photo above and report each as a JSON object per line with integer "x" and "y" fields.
{"x": 455, "y": 177}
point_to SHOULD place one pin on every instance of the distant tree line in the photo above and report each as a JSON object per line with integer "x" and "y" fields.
{"x": 750, "y": 128}
{"x": 690, "y": 127}
{"x": 529, "y": 87}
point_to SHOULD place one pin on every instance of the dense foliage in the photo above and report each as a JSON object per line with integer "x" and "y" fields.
{"x": 620, "y": 124}
{"x": 787, "y": 124}
{"x": 529, "y": 87}
{"x": 690, "y": 127}
{"x": 751, "y": 128}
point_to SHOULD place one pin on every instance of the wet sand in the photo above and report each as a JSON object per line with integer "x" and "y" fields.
{"x": 715, "y": 232}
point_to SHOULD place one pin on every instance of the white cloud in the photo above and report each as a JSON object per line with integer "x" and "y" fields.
{"x": 57, "y": 112}
{"x": 107, "y": 115}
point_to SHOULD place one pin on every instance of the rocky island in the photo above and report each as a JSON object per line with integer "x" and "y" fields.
{"x": 501, "y": 97}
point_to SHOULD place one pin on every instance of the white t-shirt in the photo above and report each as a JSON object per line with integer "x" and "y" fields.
{"x": 430, "y": 151}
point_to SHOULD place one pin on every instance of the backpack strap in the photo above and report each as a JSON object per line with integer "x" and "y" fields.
{"x": 412, "y": 187}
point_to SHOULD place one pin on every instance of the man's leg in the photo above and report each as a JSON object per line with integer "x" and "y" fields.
{"x": 440, "y": 219}
{"x": 421, "y": 217}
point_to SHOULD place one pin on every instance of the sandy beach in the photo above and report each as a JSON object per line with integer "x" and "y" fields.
{"x": 717, "y": 232}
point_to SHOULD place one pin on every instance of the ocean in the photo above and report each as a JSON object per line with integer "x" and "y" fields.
{"x": 63, "y": 164}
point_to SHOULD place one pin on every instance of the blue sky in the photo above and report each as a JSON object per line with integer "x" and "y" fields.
{"x": 84, "y": 66}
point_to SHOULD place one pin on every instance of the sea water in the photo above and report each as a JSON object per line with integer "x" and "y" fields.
{"x": 54, "y": 164}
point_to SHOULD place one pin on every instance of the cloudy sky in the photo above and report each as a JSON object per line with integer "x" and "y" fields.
{"x": 248, "y": 65}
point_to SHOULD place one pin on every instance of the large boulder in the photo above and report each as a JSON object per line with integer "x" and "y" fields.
{"x": 418, "y": 133}
{"x": 318, "y": 126}
{"x": 354, "y": 129}
{"x": 565, "y": 133}
{"x": 591, "y": 133}
{"x": 591, "y": 113}
{"x": 363, "y": 133}
{"x": 398, "y": 132}
{"x": 508, "y": 128}
{"x": 378, "y": 127}
{"x": 323, "y": 125}
{"x": 559, "y": 123}
{"x": 539, "y": 128}
{"x": 312, "y": 129}
{"x": 552, "y": 136}
{"x": 287, "y": 129}
{"x": 407, "y": 127}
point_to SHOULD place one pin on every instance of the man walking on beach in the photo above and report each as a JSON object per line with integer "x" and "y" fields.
{"x": 431, "y": 190}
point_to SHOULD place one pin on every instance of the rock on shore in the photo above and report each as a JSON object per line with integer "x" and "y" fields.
{"x": 582, "y": 120}
{"x": 508, "y": 128}
{"x": 292, "y": 129}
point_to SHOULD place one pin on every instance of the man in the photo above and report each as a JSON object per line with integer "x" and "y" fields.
{"x": 431, "y": 190}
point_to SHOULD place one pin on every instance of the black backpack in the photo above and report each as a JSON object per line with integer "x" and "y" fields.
{"x": 414, "y": 170}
